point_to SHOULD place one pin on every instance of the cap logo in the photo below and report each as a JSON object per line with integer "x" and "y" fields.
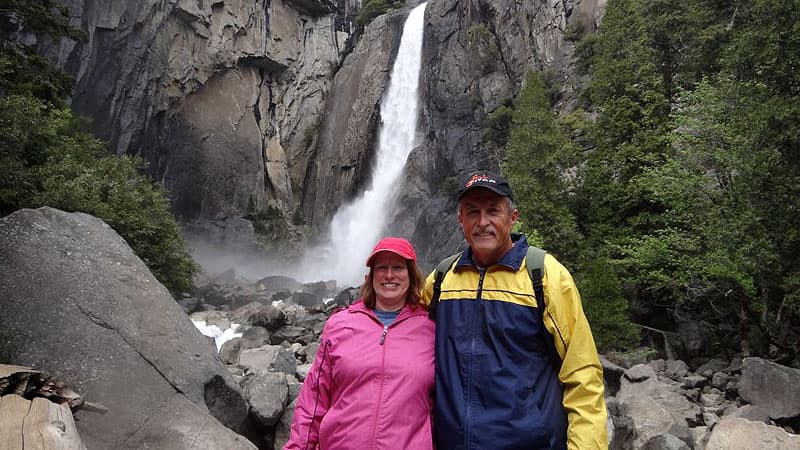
{"x": 479, "y": 178}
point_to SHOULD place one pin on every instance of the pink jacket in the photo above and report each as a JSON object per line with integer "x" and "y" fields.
{"x": 369, "y": 387}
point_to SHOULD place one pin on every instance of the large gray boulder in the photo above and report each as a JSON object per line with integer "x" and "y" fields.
{"x": 737, "y": 433}
{"x": 82, "y": 306}
{"x": 772, "y": 387}
{"x": 657, "y": 406}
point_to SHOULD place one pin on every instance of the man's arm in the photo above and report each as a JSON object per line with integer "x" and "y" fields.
{"x": 581, "y": 373}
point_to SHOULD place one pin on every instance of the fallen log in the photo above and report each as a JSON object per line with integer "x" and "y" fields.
{"x": 37, "y": 424}
{"x": 36, "y": 411}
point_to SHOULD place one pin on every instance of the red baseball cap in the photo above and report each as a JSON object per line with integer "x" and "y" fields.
{"x": 396, "y": 245}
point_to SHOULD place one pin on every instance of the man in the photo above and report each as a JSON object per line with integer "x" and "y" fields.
{"x": 509, "y": 375}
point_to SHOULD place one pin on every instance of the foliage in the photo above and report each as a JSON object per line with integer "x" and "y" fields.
{"x": 22, "y": 70}
{"x": 692, "y": 192}
{"x": 497, "y": 125}
{"x": 539, "y": 161}
{"x": 49, "y": 160}
{"x": 370, "y": 9}
{"x": 268, "y": 223}
{"x": 481, "y": 48}
{"x": 686, "y": 206}
{"x": 606, "y": 307}
{"x": 45, "y": 18}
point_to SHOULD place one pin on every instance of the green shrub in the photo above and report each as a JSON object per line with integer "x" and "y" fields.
{"x": 268, "y": 223}
{"x": 497, "y": 125}
{"x": 50, "y": 160}
{"x": 606, "y": 307}
{"x": 370, "y": 9}
{"x": 482, "y": 48}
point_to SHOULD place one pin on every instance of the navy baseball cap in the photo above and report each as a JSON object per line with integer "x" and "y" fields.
{"x": 488, "y": 180}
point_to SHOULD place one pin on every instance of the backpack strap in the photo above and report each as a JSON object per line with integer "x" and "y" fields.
{"x": 443, "y": 267}
{"x": 535, "y": 262}
{"x": 534, "y": 259}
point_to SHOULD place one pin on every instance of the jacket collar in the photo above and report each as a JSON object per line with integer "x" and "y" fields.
{"x": 359, "y": 307}
{"x": 511, "y": 260}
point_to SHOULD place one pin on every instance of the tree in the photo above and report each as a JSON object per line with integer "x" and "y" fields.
{"x": 540, "y": 163}
{"x": 49, "y": 159}
{"x": 22, "y": 70}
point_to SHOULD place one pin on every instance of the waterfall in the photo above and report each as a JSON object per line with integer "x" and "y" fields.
{"x": 357, "y": 226}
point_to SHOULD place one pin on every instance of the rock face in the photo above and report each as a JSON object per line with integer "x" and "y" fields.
{"x": 217, "y": 96}
{"x": 80, "y": 305}
{"x": 349, "y": 130}
{"x": 235, "y": 105}
{"x": 476, "y": 54}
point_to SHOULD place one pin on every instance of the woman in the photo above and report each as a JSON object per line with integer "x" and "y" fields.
{"x": 371, "y": 382}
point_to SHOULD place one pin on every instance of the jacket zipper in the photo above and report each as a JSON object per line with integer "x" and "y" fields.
{"x": 468, "y": 418}
{"x": 383, "y": 335}
{"x": 380, "y": 388}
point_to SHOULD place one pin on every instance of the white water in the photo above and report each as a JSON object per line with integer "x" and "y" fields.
{"x": 356, "y": 227}
{"x": 220, "y": 336}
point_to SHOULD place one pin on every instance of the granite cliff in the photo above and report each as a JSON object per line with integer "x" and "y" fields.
{"x": 243, "y": 106}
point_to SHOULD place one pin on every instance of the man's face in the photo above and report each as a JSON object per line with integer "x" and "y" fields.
{"x": 486, "y": 222}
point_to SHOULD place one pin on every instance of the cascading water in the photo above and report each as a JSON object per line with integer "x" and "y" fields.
{"x": 357, "y": 226}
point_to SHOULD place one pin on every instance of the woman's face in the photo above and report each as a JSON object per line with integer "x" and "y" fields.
{"x": 390, "y": 279}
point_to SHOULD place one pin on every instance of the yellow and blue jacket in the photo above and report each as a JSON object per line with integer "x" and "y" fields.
{"x": 509, "y": 376}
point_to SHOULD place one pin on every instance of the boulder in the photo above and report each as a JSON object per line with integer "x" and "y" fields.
{"x": 657, "y": 407}
{"x": 772, "y": 387}
{"x": 267, "y": 393}
{"x": 268, "y": 358}
{"x": 736, "y": 433}
{"x": 82, "y": 306}
{"x": 665, "y": 441}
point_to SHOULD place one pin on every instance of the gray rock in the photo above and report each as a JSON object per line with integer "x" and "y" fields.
{"x": 309, "y": 352}
{"x": 676, "y": 369}
{"x": 269, "y": 317}
{"x": 180, "y": 424}
{"x": 736, "y": 433}
{"x": 230, "y": 351}
{"x": 713, "y": 365}
{"x": 82, "y": 307}
{"x": 291, "y": 333}
{"x": 772, "y": 387}
{"x": 257, "y": 335}
{"x": 720, "y": 380}
{"x": 294, "y": 387}
{"x": 268, "y": 358}
{"x": 217, "y": 96}
{"x": 283, "y": 426}
{"x": 620, "y": 433}
{"x": 640, "y": 372}
{"x": 611, "y": 375}
{"x": 657, "y": 407}
{"x": 665, "y": 441}
{"x": 267, "y": 393}
{"x": 694, "y": 381}
{"x": 306, "y": 299}
{"x": 752, "y": 413}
